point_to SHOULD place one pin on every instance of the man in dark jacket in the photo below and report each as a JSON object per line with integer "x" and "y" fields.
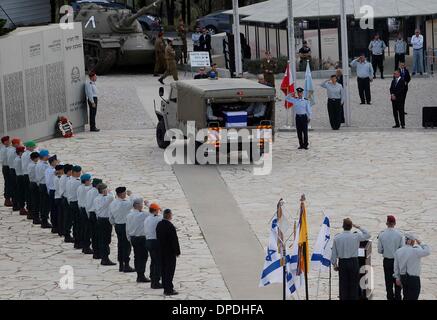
{"x": 397, "y": 91}
{"x": 205, "y": 42}
{"x": 169, "y": 246}
{"x": 406, "y": 76}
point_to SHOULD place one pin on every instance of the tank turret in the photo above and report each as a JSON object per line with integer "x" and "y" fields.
{"x": 114, "y": 37}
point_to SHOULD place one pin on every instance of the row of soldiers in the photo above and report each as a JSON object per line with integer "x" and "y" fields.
{"x": 84, "y": 211}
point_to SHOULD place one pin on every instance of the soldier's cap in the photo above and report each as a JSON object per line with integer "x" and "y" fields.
{"x": 391, "y": 219}
{"x": 101, "y": 187}
{"x": 85, "y": 177}
{"x": 96, "y": 182}
{"x": 300, "y": 90}
{"x": 16, "y": 141}
{"x": 44, "y": 153}
{"x": 59, "y": 167}
{"x": 77, "y": 169}
{"x": 20, "y": 149}
{"x": 410, "y": 236}
{"x": 5, "y": 138}
{"x": 138, "y": 200}
{"x": 30, "y": 144}
{"x": 53, "y": 158}
{"x": 120, "y": 190}
{"x": 154, "y": 206}
{"x": 34, "y": 155}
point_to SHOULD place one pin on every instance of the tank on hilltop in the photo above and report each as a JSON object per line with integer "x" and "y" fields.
{"x": 114, "y": 37}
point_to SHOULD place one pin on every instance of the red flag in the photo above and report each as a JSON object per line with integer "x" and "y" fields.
{"x": 287, "y": 86}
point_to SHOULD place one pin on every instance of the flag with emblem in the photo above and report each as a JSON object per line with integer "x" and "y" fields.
{"x": 287, "y": 85}
{"x": 321, "y": 257}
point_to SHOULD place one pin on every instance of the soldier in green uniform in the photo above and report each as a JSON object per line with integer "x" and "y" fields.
{"x": 170, "y": 58}
{"x": 182, "y": 33}
{"x": 159, "y": 55}
{"x": 269, "y": 67}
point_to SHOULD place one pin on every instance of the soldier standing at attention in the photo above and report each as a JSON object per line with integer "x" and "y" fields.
{"x": 34, "y": 190}
{"x": 82, "y": 191}
{"x": 195, "y": 37}
{"x": 40, "y": 171}
{"x": 335, "y": 101}
{"x": 25, "y": 161}
{"x": 377, "y": 48}
{"x": 91, "y": 95}
{"x": 407, "y": 266}
{"x": 101, "y": 206}
{"x": 302, "y": 109}
{"x": 169, "y": 249}
{"x": 345, "y": 250}
{"x": 389, "y": 241}
{"x": 74, "y": 214}
{"x": 137, "y": 236}
{"x": 66, "y": 212}
{"x": 268, "y": 67}
{"x": 50, "y": 184}
{"x": 92, "y": 218}
{"x": 182, "y": 33}
{"x": 152, "y": 245}
{"x": 6, "y": 142}
{"x": 170, "y": 59}
{"x": 118, "y": 211}
{"x": 11, "y": 154}
{"x": 159, "y": 55}
{"x": 20, "y": 180}
{"x": 59, "y": 172}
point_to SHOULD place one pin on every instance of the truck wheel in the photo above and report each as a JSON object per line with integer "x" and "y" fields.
{"x": 160, "y": 135}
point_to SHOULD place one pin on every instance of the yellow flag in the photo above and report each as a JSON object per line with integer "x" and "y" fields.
{"x": 304, "y": 254}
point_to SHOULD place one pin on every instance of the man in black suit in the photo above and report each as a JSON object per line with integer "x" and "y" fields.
{"x": 397, "y": 91}
{"x": 205, "y": 42}
{"x": 169, "y": 246}
{"x": 405, "y": 75}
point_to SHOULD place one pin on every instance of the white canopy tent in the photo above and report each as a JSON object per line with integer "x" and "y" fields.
{"x": 275, "y": 11}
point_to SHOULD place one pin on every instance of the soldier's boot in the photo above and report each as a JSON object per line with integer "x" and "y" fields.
{"x": 23, "y": 212}
{"x": 8, "y": 202}
{"x": 45, "y": 224}
{"x": 127, "y": 268}
{"x": 120, "y": 266}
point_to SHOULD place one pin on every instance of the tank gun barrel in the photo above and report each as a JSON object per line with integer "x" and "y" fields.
{"x": 130, "y": 19}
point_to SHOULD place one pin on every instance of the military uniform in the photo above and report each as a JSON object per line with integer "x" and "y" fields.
{"x": 85, "y": 232}
{"x": 407, "y": 267}
{"x": 389, "y": 241}
{"x": 182, "y": 33}
{"x": 269, "y": 68}
{"x": 159, "y": 56}
{"x": 92, "y": 218}
{"x": 345, "y": 249}
{"x": 302, "y": 109}
{"x": 170, "y": 58}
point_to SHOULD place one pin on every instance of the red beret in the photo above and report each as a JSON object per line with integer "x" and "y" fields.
{"x": 391, "y": 219}
{"x": 16, "y": 141}
{"x": 5, "y": 138}
{"x": 20, "y": 149}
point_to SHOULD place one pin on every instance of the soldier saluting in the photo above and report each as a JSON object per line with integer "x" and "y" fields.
{"x": 302, "y": 109}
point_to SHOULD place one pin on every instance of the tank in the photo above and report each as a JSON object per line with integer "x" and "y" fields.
{"x": 114, "y": 37}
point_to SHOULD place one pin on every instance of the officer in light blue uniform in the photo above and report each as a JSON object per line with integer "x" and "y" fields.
{"x": 302, "y": 108}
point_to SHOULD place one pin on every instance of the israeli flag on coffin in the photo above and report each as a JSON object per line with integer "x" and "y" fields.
{"x": 321, "y": 258}
{"x": 236, "y": 119}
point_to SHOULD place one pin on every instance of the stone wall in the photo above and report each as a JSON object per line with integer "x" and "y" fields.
{"x": 42, "y": 76}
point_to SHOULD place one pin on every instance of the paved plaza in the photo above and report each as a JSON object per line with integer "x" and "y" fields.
{"x": 364, "y": 172}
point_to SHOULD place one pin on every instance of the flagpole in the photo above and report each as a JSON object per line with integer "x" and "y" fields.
{"x": 345, "y": 62}
{"x": 291, "y": 51}
{"x": 330, "y": 277}
{"x": 237, "y": 43}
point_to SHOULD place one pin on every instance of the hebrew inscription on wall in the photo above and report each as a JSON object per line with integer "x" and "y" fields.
{"x": 14, "y": 100}
{"x": 36, "y": 105}
{"x": 56, "y": 88}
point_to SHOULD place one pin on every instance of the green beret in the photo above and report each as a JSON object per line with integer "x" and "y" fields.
{"x": 30, "y": 144}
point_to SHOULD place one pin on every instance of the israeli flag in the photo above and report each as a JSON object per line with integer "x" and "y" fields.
{"x": 272, "y": 272}
{"x": 321, "y": 258}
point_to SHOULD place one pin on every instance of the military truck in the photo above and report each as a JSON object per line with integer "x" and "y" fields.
{"x": 215, "y": 105}
{"x": 114, "y": 37}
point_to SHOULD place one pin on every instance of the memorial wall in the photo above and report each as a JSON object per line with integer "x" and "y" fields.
{"x": 42, "y": 76}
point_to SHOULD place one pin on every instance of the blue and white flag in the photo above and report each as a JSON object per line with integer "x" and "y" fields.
{"x": 321, "y": 258}
{"x": 272, "y": 272}
{"x": 309, "y": 86}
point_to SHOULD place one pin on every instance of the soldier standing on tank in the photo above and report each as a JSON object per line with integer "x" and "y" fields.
{"x": 159, "y": 55}
{"x": 269, "y": 67}
{"x": 170, "y": 58}
{"x": 182, "y": 33}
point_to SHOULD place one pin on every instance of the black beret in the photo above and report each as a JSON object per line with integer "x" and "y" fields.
{"x": 67, "y": 167}
{"x": 96, "y": 182}
{"x": 120, "y": 190}
{"x": 34, "y": 155}
{"x": 59, "y": 167}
